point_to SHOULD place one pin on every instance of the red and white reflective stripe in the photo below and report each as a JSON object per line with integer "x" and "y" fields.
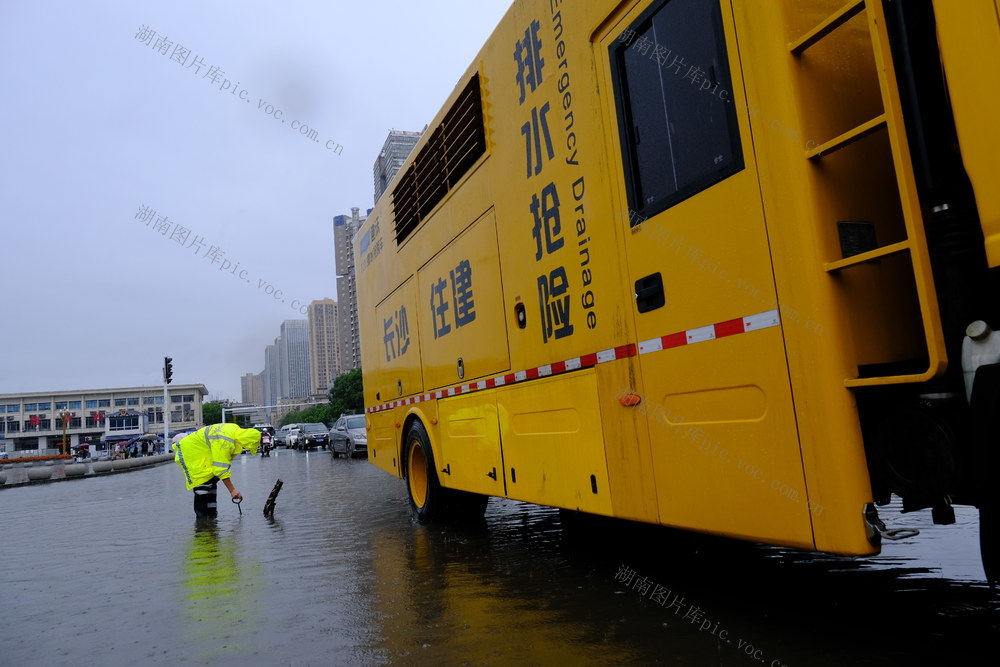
{"x": 740, "y": 325}
{"x": 711, "y": 332}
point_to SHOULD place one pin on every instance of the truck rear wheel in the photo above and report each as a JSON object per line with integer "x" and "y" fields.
{"x": 989, "y": 540}
{"x": 985, "y": 462}
{"x": 429, "y": 500}
{"x": 426, "y": 494}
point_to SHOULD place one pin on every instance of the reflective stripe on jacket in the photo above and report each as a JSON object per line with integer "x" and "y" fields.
{"x": 208, "y": 452}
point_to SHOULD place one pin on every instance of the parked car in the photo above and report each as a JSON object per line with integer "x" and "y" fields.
{"x": 348, "y": 436}
{"x": 312, "y": 435}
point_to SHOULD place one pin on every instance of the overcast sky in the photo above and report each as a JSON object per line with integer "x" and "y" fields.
{"x": 98, "y": 124}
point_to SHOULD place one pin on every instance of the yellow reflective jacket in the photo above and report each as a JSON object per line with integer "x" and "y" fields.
{"x": 208, "y": 452}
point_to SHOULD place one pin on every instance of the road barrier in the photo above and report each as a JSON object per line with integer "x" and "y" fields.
{"x": 18, "y": 474}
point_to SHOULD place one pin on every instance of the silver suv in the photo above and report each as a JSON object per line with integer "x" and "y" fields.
{"x": 348, "y": 436}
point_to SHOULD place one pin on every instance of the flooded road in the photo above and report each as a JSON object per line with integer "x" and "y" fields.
{"x": 114, "y": 570}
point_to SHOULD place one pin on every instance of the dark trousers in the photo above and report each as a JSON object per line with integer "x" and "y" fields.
{"x": 205, "y": 504}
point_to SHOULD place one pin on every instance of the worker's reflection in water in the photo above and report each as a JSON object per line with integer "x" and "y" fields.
{"x": 222, "y": 607}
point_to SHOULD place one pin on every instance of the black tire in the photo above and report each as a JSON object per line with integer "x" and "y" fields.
{"x": 985, "y": 461}
{"x": 430, "y": 501}
{"x": 989, "y": 540}
{"x": 349, "y": 447}
{"x": 424, "y": 491}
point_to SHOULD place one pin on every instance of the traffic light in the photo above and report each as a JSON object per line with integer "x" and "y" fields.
{"x": 168, "y": 369}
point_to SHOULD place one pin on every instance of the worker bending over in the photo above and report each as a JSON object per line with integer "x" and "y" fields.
{"x": 205, "y": 457}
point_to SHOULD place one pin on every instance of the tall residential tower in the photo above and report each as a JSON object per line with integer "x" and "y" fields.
{"x": 397, "y": 147}
{"x": 294, "y": 351}
{"x": 344, "y": 229}
{"x": 324, "y": 344}
{"x": 252, "y": 386}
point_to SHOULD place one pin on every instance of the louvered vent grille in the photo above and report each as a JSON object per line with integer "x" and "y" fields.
{"x": 449, "y": 152}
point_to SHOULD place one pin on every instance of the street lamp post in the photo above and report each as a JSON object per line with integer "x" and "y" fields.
{"x": 168, "y": 375}
{"x": 64, "y": 416}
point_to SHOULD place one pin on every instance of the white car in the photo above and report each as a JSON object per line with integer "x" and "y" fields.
{"x": 283, "y": 436}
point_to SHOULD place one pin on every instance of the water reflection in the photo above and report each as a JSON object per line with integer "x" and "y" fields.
{"x": 342, "y": 575}
{"x": 458, "y": 594}
{"x": 221, "y": 592}
{"x": 527, "y": 587}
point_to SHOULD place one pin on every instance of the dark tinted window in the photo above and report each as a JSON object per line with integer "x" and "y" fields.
{"x": 674, "y": 93}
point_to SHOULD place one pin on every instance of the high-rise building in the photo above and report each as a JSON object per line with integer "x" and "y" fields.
{"x": 397, "y": 147}
{"x": 296, "y": 376}
{"x": 282, "y": 385}
{"x": 252, "y": 387}
{"x": 344, "y": 229}
{"x": 324, "y": 344}
{"x": 272, "y": 372}
{"x": 389, "y": 161}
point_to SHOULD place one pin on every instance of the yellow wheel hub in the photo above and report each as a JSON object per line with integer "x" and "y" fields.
{"x": 417, "y": 475}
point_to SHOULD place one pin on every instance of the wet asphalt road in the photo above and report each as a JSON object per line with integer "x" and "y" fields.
{"x": 115, "y": 571}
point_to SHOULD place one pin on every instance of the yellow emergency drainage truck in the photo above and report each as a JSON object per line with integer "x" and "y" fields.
{"x": 713, "y": 264}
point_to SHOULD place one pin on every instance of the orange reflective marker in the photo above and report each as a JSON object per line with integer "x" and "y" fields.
{"x": 630, "y": 400}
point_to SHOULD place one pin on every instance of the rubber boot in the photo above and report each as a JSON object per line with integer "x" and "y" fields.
{"x": 205, "y": 504}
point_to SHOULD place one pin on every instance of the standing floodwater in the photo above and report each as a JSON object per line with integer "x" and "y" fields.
{"x": 116, "y": 570}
